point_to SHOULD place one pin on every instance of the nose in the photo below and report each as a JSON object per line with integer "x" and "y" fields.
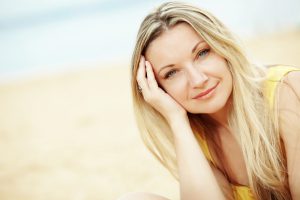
{"x": 196, "y": 77}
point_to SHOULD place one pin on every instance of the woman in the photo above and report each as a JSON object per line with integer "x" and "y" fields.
{"x": 224, "y": 128}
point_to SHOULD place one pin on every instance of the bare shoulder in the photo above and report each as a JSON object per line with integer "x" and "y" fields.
{"x": 289, "y": 105}
{"x": 289, "y": 125}
{"x": 289, "y": 90}
{"x": 293, "y": 80}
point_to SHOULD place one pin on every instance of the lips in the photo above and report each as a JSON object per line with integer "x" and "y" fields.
{"x": 205, "y": 92}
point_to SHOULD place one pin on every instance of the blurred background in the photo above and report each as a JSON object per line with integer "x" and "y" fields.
{"x": 67, "y": 129}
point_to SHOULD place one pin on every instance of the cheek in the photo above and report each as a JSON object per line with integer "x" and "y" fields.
{"x": 228, "y": 83}
{"x": 228, "y": 76}
{"x": 177, "y": 91}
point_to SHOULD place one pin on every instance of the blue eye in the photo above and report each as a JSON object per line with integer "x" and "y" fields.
{"x": 169, "y": 74}
{"x": 203, "y": 52}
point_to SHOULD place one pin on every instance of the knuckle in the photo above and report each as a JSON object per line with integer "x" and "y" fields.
{"x": 148, "y": 98}
{"x": 139, "y": 79}
{"x": 152, "y": 99}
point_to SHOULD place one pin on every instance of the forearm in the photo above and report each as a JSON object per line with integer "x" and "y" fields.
{"x": 196, "y": 177}
{"x": 295, "y": 190}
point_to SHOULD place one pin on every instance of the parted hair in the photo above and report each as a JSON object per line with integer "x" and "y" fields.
{"x": 252, "y": 120}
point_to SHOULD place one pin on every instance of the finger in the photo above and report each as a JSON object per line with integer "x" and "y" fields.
{"x": 141, "y": 75}
{"x": 150, "y": 76}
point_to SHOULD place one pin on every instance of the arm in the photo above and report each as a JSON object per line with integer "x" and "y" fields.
{"x": 289, "y": 124}
{"x": 197, "y": 179}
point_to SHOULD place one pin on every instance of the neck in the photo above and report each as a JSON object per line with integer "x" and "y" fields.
{"x": 221, "y": 116}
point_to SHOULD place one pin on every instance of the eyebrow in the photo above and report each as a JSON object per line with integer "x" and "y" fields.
{"x": 193, "y": 51}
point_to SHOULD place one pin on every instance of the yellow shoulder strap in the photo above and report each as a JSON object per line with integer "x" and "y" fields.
{"x": 275, "y": 73}
{"x": 274, "y": 76}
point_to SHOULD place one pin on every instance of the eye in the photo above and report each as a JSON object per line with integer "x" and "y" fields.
{"x": 203, "y": 53}
{"x": 170, "y": 73}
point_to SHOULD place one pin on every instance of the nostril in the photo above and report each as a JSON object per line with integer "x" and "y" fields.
{"x": 198, "y": 80}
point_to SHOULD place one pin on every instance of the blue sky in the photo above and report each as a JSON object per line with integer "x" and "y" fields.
{"x": 54, "y": 35}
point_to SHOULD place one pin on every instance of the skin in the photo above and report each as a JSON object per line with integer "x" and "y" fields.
{"x": 171, "y": 91}
{"x": 289, "y": 118}
{"x": 190, "y": 72}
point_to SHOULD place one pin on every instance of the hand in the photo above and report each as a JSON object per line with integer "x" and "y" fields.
{"x": 155, "y": 96}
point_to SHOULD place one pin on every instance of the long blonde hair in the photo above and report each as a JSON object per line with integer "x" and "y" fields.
{"x": 250, "y": 118}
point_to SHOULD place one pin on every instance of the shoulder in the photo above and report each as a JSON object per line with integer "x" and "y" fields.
{"x": 293, "y": 77}
{"x": 289, "y": 89}
{"x": 289, "y": 106}
{"x": 289, "y": 126}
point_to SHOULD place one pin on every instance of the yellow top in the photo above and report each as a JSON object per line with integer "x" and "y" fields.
{"x": 275, "y": 74}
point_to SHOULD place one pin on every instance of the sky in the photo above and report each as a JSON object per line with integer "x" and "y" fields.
{"x": 57, "y": 35}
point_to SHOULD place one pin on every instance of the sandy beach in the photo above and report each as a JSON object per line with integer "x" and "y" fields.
{"x": 72, "y": 136}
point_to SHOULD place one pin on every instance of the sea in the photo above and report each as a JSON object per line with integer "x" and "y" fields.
{"x": 53, "y": 36}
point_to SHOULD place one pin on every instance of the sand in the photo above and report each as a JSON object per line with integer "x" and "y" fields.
{"x": 73, "y": 135}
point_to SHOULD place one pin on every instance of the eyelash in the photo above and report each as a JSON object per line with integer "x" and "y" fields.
{"x": 170, "y": 73}
{"x": 204, "y": 50}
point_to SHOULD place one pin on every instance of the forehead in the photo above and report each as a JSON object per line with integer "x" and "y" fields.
{"x": 173, "y": 45}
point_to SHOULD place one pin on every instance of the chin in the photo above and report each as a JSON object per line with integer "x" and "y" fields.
{"x": 203, "y": 111}
{"x": 207, "y": 109}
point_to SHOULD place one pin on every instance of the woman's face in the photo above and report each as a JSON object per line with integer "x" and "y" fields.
{"x": 189, "y": 70}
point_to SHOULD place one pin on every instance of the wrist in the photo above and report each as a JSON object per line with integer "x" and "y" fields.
{"x": 178, "y": 121}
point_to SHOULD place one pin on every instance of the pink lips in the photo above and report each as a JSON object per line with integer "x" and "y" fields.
{"x": 205, "y": 92}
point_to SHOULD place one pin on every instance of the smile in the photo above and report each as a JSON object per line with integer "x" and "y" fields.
{"x": 206, "y": 93}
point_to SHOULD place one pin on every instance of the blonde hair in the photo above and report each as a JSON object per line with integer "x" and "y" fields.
{"x": 250, "y": 118}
